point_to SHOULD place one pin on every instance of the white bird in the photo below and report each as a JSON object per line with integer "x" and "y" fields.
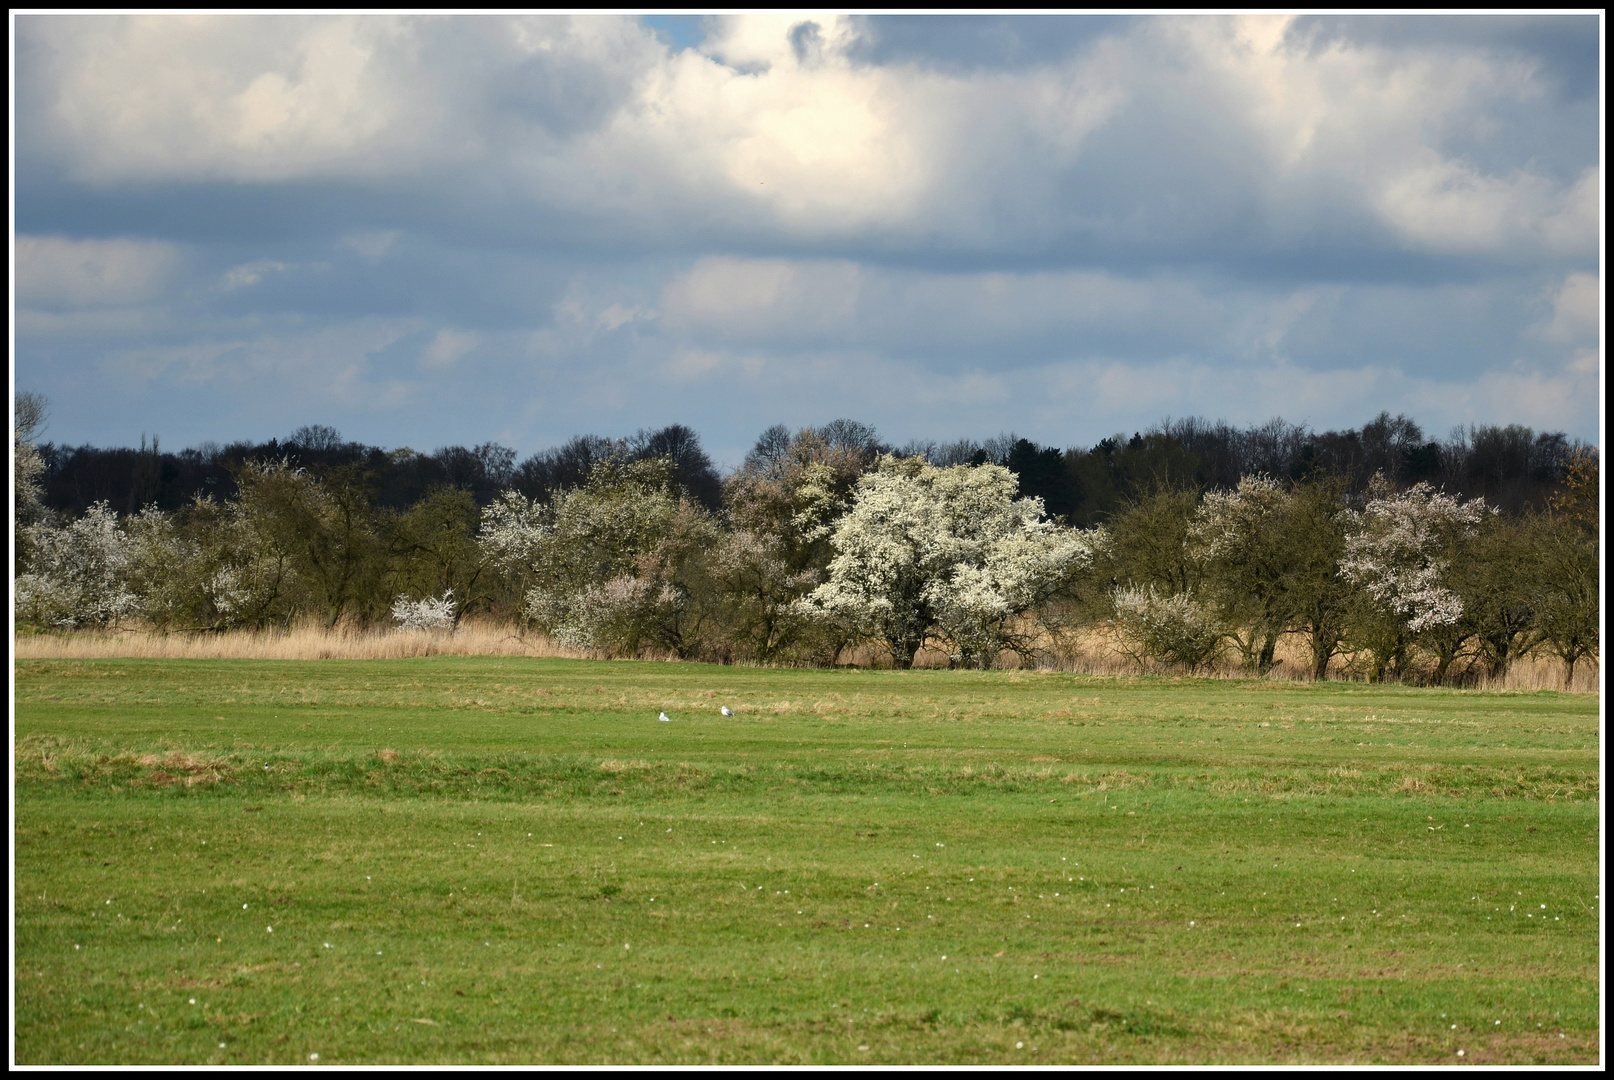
{"x": 665, "y": 719}
{"x": 726, "y": 711}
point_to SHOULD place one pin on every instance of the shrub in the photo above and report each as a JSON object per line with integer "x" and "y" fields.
{"x": 1172, "y": 629}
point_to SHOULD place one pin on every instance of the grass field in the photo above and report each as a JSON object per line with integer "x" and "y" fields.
{"x": 454, "y": 859}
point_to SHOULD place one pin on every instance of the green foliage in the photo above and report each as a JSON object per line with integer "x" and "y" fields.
{"x": 1148, "y": 542}
{"x": 432, "y": 550}
{"x": 1319, "y": 599}
{"x": 1566, "y": 602}
{"x": 1500, "y": 584}
{"x": 321, "y": 528}
{"x": 1244, "y": 544}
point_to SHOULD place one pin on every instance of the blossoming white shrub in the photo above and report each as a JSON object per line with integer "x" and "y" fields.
{"x": 1228, "y": 522}
{"x": 573, "y": 555}
{"x": 1174, "y": 629}
{"x": 512, "y": 528}
{"x": 1398, "y": 552}
{"x": 427, "y": 613}
{"x": 77, "y": 573}
{"x": 948, "y": 553}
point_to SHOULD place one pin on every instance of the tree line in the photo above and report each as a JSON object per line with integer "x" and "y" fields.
{"x": 1193, "y": 542}
{"x": 1509, "y": 466}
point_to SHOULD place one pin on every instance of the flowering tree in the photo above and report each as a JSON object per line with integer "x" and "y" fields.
{"x": 77, "y": 573}
{"x": 950, "y": 553}
{"x": 28, "y": 492}
{"x": 607, "y": 565}
{"x": 1242, "y": 541}
{"x": 1397, "y": 554}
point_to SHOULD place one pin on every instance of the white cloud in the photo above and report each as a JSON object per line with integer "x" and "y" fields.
{"x": 1577, "y": 308}
{"x": 329, "y": 363}
{"x": 56, "y": 272}
{"x": 779, "y": 301}
{"x": 164, "y": 96}
{"x": 448, "y": 347}
{"x": 772, "y": 298}
{"x": 617, "y": 316}
{"x": 251, "y": 273}
{"x": 1449, "y": 207}
{"x": 372, "y": 245}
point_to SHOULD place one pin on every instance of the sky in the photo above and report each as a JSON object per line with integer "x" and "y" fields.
{"x": 426, "y": 231}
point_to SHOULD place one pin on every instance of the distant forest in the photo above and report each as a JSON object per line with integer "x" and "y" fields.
{"x": 1511, "y": 467}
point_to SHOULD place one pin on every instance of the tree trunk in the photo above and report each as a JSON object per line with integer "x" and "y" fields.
{"x": 1269, "y": 646}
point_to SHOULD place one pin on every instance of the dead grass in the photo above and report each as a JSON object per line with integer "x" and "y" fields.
{"x": 1096, "y": 651}
{"x": 298, "y": 643}
{"x": 1089, "y": 651}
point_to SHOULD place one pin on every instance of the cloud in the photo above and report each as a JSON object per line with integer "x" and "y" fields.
{"x": 950, "y": 224}
{"x": 372, "y": 245}
{"x": 1104, "y": 146}
{"x": 239, "y": 277}
{"x": 1017, "y": 317}
{"x": 1576, "y": 311}
{"x": 222, "y": 96}
{"x": 328, "y": 363}
{"x": 57, "y": 272}
{"x": 1449, "y": 207}
{"x": 448, "y": 347}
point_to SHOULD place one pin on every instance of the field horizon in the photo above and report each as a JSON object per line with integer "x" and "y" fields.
{"x": 510, "y": 859}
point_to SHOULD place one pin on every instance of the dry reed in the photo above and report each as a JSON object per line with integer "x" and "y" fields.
{"x": 1092, "y": 651}
{"x": 298, "y": 643}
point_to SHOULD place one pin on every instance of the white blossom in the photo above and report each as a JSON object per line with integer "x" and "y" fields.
{"x": 77, "y": 573}
{"x": 573, "y": 555}
{"x": 926, "y": 551}
{"x": 512, "y": 528}
{"x": 1396, "y": 553}
{"x": 1228, "y": 521}
{"x": 428, "y": 613}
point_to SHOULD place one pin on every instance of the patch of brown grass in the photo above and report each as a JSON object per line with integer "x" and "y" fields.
{"x": 472, "y": 638}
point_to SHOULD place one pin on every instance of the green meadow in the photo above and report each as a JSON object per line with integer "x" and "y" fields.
{"x": 512, "y": 860}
